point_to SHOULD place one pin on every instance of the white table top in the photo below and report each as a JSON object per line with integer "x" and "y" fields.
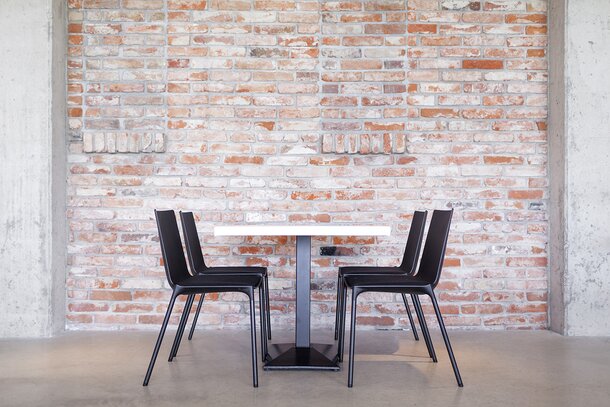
{"x": 301, "y": 230}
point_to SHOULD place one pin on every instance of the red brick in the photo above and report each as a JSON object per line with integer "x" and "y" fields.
{"x": 110, "y": 295}
{"x": 526, "y": 18}
{"x": 87, "y": 307}
{"x": 439, "y": 112}
{"x": 526, "y": 194}
{"x": 536, "y": 53}
{"x": 536, "y": 30}
{"x": 497, "y": 159}
{"x": 254, "y": 250}
{"x": 319, "y": 218}
{"x": 482, "y": 64}
{"x": 234, "y": 159}
{"x": 422, "y": 28}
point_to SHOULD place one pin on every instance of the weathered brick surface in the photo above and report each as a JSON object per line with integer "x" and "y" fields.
{"x": 363, "y": 75}
{"x": 271, "y": 111}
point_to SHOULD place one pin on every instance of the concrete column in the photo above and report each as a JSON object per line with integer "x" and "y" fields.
{"x": 32, "y": 167}
{"x": 579, "y": 136}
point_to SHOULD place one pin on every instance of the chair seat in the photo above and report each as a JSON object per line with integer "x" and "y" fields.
{"x": 218, "y": 281}
{"x": 236, "y": 270}
{"x": 385, "y": 281}
{"x": 364, "y": 270}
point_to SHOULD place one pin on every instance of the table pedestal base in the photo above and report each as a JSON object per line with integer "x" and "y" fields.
{"x": 287, "y": 356}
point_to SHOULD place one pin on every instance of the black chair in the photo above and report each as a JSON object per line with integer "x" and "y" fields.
{"x": 183, "y": 283}
{"x": 407, "y": 267}
{"x": 198, "y": 266}
{"x": 423, "y": 283}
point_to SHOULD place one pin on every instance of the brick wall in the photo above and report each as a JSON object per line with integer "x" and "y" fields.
{"x": 308, "y": 111}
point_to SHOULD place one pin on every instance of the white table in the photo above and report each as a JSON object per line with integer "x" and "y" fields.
{"x": 302, "y": 354}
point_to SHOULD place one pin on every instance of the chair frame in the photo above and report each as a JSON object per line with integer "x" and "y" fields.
{"x": 408, "y": 266}
{"x": 193, "y": 248}
{"x": 190, "y": 291}
{"x": 415, "y": 290}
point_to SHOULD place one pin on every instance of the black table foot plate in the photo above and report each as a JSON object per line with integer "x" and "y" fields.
{"x": 288, "y": 357}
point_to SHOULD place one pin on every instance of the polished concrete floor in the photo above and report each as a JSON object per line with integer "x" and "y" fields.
{"x": 498, "y": 368}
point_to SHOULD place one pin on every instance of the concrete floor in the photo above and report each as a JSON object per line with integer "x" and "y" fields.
{"x": 498, "y": 368}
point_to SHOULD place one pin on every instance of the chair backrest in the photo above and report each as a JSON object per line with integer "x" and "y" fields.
{"x": 191, "y": 238}
{"x": 434, "y": 249}
{"x": 414, "y": 240}
{"x": 171, "y": 247}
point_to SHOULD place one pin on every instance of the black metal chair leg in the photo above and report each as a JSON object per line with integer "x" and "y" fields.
{"x": 181, "y": 326}
{"x": 337, "y": 307}
{"x": 341, "y": 344}
{"x": 151, "y": 365}
{"x": 352, "y": 341}
{"x": 253, "y": 340}
{"x": 441, "y": 324}
{"x": 196, "y": 316}
{"x": 263, "y": 317}
{"x": 338, "y": 328}
{"x": 404, "y": 299}
{"x": 424, "y": 327}
{"x": 267, "y": 307}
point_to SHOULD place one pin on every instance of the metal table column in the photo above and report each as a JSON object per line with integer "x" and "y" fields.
{"x": 302, "y": 355}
